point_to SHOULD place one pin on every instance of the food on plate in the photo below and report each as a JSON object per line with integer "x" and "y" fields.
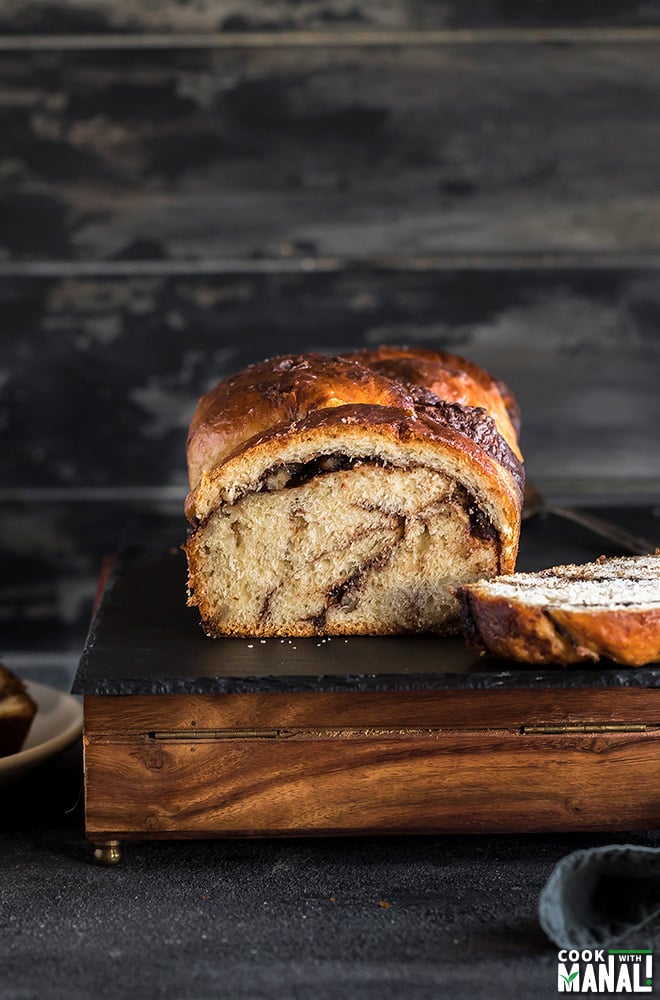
{"x": 569, "y": 614}
{"x": 350, "y": 494}
{"x": 17, "y": 710}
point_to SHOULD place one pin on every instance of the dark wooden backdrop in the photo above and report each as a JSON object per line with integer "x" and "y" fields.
{"x": 186, "y": 188}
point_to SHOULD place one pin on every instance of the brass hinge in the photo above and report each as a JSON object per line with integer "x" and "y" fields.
{"x": 215, "y": 734}
{"x": 549, "y": 729}
{"x": 586, "y": 728}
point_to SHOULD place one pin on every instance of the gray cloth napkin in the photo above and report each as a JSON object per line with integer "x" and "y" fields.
{"x": 597, "y": 896}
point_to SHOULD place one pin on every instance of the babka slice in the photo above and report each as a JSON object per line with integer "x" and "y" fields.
{"x": 569, "y": 614}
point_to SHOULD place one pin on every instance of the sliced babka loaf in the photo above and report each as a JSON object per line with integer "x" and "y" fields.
{"x": 347, "y": 495}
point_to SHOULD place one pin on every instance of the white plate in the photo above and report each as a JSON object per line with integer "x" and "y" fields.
{"x": 56, "y": 725}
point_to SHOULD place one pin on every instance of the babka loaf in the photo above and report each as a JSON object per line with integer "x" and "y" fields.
{"x": 569, "y": 614}
{"x": 350, "y": 494}
{"x": 17, "y": 711}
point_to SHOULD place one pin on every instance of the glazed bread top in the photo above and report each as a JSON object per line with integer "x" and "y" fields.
{"x": 435, "y": 390}
{"x": 450, "y": 378}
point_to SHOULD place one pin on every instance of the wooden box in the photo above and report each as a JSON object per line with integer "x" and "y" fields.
{"x": 190, "y": 737}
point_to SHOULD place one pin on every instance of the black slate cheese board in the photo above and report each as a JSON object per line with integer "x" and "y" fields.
{"x": 144, "y": 640}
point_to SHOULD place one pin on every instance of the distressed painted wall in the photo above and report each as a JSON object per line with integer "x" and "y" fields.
{"x": 186, "y": 188}
{"x": 349, "y": 153}
{"x": 101, "y": 375}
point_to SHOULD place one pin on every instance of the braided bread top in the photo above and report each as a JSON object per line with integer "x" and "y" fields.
{"x": 431, "y": 388}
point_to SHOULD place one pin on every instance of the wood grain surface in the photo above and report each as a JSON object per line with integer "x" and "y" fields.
{"x": 456, "y": 782}
{"x": 269, "y": 765}
{"x": 125, "y": 718}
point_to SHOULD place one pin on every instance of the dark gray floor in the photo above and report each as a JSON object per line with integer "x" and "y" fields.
{"x": 411, "y": 917}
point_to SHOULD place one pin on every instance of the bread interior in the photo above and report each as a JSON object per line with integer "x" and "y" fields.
{"x": 341, "y": 545}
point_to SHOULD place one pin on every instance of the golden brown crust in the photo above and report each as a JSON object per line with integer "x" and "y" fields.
{"x": 449, "y": 377}
{"x": 511, "y": 629}
{"x": 627, "y": 635}
{"x": 284, "y": 390}
{"x": 423, "y": 432}
{"x": 276, "y": 392}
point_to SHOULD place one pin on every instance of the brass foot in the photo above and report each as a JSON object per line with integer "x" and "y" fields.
{"x": 107, "y": 852}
